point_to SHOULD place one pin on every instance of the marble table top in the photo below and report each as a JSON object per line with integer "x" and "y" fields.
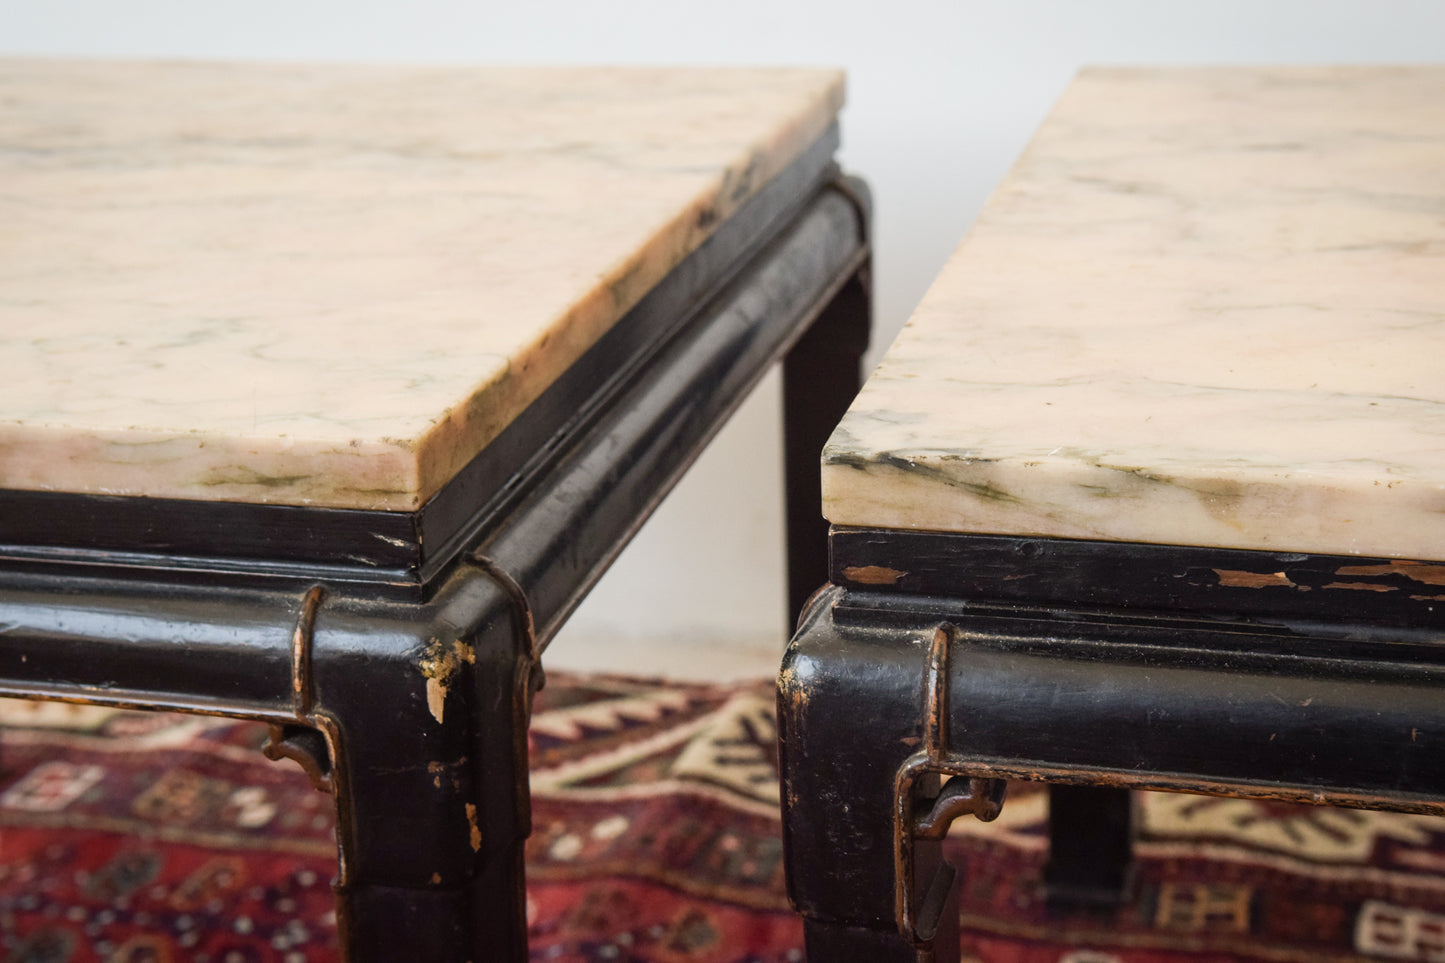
{"x": 1206, "y": 307}
{"x": 328, "y": 285}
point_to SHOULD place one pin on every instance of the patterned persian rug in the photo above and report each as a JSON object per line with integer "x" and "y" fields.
{"x": 146, "y": 837}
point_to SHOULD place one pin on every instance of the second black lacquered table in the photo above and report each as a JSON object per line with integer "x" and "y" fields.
{"x": 1149, "y": 494}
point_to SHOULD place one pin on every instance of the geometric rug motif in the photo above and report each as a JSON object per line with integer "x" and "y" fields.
{"x": 128, "y": 836}
{"x": 149, "y": 836}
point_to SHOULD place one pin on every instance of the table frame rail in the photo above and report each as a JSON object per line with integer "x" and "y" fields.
{"x": 901, "y": 707}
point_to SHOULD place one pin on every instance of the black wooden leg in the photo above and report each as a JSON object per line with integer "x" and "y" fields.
{"x": 1090, "y": 839}
{"x": 850, "y": 717}
{"x": 431, "y": 851}
{"x": 821, "y": 374}
{"x": 851, "y": 944}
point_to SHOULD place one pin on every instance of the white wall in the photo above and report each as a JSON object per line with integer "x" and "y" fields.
{"x": 942, "y": 97}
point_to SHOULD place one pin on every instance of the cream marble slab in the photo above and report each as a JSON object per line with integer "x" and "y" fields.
{"x": 332, "y": 285}
{"x": 1207, "y": 307}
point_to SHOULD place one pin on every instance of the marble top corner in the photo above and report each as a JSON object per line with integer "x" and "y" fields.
{"x": 1206, "y": 307}
{"x": 334, "y": 285}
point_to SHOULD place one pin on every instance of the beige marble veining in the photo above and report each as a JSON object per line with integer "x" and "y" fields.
{"x": 1207, "y": 307}
{"x": 333, "y": 285}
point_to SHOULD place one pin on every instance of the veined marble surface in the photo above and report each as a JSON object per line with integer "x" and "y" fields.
{"x": 1207, "y": 307}
{"x": 334, "y": 285}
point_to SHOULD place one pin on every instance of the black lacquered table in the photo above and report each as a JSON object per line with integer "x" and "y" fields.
{"x": 334, "y": 389}
{"x": 1150, "y": 494}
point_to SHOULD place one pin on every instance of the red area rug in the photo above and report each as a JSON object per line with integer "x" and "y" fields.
{"x": 129, "y": 837}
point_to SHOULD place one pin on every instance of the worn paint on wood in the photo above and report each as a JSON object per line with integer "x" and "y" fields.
{"x": 873, "y": 575}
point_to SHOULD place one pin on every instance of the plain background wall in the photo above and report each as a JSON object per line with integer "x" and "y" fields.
{"x": 942, "y": 97}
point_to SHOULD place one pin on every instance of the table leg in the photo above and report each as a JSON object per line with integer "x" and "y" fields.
{"x": 429, "y": 777}
{"x": 850, "y": 723}
{"x": 1090, "y": 846}
{"x": 831, "y": 941}
{"x": 821, "y": 375}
